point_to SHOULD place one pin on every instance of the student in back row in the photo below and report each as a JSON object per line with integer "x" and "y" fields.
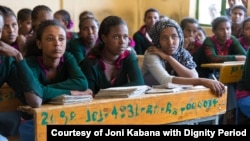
{"x": 194, "y": 35}
{"x": 245, "y": 34}
{"x": 168, "y": 62}
{"x": 112, "y": 63}
{"x": 24, "y": 22}
{"x": 88, "y": 37}
{"x": 39, "y": 13}
{"x": 141, "y": 37}
{"x": 237, "y": 14}
{"x": 64, "y": 17}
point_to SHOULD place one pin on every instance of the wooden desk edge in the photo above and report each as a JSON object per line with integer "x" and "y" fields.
{"x": 219, "y": 65}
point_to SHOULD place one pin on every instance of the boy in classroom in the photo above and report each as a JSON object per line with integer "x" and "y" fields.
{"x": 169, "y": 62}
{"x": 16, "y": 73}
{"x": 112, "y": 62}
{"x": 56, "y": 70}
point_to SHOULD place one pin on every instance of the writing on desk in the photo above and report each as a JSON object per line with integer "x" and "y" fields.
{"x": 9, "y": 96}
{"x": 126, "y": 111}
{"x": 235, "y": 69}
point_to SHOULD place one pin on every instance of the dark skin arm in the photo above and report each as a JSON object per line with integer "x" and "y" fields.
{"x": 31, "y": 98}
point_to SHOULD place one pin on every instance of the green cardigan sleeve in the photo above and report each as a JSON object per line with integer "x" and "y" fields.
{"x": 212, "y": 55}
{"x": 28, "y": 81}
{"x": 19, "y": 77}
{"x": 76, "y": 80}
{"x": 95, "y": 75}
{"x": 129, "y": 73}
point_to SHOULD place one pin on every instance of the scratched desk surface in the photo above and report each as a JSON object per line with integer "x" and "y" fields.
{"x": 148, "y": 109}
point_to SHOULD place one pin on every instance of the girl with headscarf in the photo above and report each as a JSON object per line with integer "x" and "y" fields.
{"x": 168, "y": 62}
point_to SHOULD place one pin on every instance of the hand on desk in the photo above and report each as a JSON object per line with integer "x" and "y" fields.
{"x": 216, "y": 87}
{"x": 87, "y": 92}
{"x": 240, "y": 57}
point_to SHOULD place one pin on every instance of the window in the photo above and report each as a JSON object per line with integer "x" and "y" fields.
{"x": 207, "y": 10}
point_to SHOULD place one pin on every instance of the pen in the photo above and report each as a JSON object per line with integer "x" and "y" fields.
{"x": 214, "y": 77}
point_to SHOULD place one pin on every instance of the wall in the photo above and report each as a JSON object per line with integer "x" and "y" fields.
{"x": 131, "y": 10}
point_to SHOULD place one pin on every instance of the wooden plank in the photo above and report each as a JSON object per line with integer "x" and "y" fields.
{"x": 149, "y": 109}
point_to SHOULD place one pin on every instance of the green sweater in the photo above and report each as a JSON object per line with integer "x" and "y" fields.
{"x": 19, "y": 77}
{"x": 129, "y": 73}
{"x": 69, "y": 77}
{"x": 77, "y": 48}
{"x": 141, "y": 42}
{"x": 207, "y": 53}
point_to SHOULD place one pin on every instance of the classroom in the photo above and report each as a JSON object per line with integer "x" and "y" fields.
{"x": 193, "y": 55}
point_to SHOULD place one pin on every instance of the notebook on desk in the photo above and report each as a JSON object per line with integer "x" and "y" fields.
{"x": 70, "y": 99}
{"x": 122, "y": 92}
{"x": 170, "y": 88}
{"x": 162, "y": 90}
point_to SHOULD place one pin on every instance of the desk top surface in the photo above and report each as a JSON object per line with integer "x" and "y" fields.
{"x": 147, "y": 109}
{"x": 219, "y": 65}
{"x": 110, "y": 100}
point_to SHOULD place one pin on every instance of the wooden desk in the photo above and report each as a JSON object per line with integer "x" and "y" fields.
{"x": 148, "y": 109}
{"x": 230, "y": 72}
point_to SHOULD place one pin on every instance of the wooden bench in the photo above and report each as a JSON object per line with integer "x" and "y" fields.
{"x": 187, "y": 106}
{"x": 9, "y": 102}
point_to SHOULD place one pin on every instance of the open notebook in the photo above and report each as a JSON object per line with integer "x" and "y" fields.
{"x": 70, "y": 99}
{"x": 168, "y": 88}
{"x": 122, "y": 92}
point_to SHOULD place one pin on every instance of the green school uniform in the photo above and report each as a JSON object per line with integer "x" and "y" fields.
{"x": 77, "y": 48}
{"x": 141, "y": 42}
{"x": 19, "y": 77}
{"x": 129, "y": 72}
{"x": 69, "y": 77}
